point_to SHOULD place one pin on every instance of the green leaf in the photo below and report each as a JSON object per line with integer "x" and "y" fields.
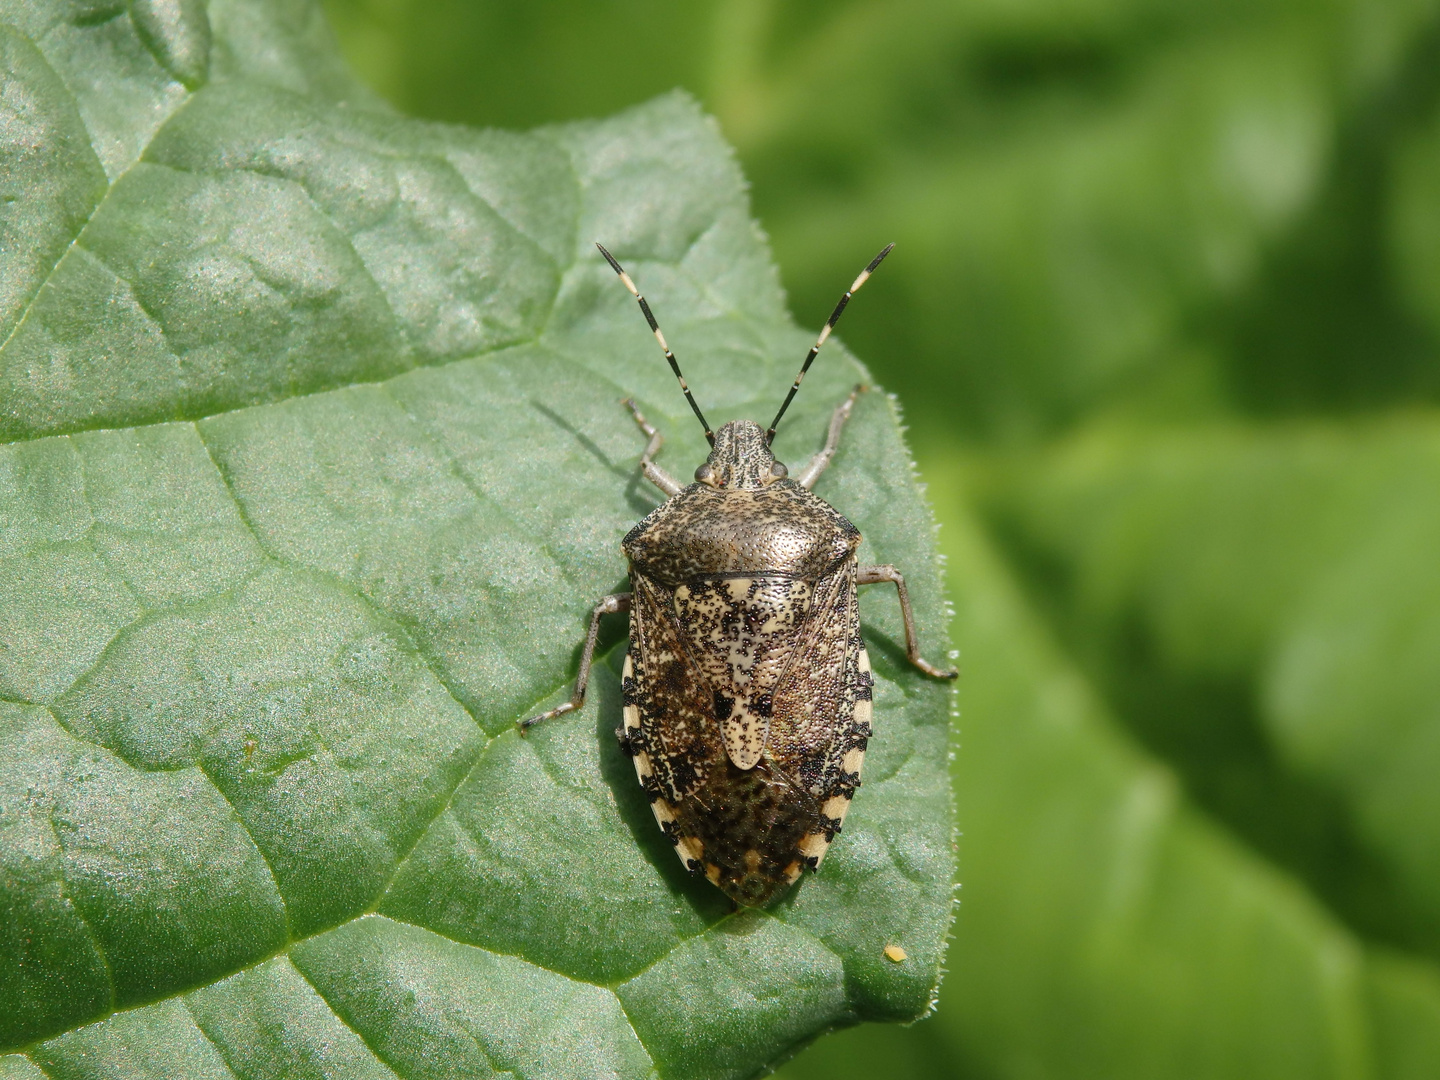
{"x": 1297, "y": 564}
{"x": 315, "y": 467}
{"x": 1077, "y": 189}
{"x": 1107, "y": 928}
{"x": 1111, "y": 207}
{"x": 1413, "y": 225}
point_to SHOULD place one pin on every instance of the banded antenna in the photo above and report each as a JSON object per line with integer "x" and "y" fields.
{"x": 824, "y": 334}
{"x": 655, "y": 328}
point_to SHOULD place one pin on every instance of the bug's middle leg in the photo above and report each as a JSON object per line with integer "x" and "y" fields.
{"x": 611, "y": 604}
{"x": 877, "y": 575}
{"x": 654, "y": 473}
{"x": 821, "y": 461}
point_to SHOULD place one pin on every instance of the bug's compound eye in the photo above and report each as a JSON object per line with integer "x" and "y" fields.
{"x": 704, "y": 473}
{"x": 779, "y": 471}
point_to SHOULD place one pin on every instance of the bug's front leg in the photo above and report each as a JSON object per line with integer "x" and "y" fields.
{"x": 821, "y": 461}
{"x": 610, "y": 605}
{"x": 878, "y": 575}
{"x": 654, "y": 473}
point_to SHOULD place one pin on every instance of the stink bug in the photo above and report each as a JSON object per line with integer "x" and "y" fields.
{"x": 746, "y": 685}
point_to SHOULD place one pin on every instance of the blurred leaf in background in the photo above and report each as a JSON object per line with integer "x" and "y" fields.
{"x": 1165, "y": 318}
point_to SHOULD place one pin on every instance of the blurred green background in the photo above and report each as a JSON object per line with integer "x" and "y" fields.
{"x": 1164, "y": 316}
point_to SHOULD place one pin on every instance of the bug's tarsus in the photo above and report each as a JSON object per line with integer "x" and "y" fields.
{"x": 821, "y": 461}
{"x": 654, "y": 473}
{"x": 879, "y": 575}
{"x": 824, "y": 334}
{"x": 607, "y": 606}
{"x": 660, "y": 337}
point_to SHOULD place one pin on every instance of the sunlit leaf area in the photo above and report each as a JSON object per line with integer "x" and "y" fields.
{"x": 313, "y": 465}
{"x": 1163, "y": 318}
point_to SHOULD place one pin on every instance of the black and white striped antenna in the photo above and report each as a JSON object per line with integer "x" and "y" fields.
{"x": 824, "y": 334}
{"x": 670, "y": 356}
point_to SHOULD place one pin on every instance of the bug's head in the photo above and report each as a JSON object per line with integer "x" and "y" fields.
{"x": 741, "y": 458}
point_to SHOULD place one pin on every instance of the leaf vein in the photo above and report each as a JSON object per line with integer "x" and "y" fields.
{"x": 424, "y": 831}
{"x": 109, "y": 188}
{"x": 85, "y": 922}
{"x": 146, "y": 617}
{"x": 349, "y": 589}
{"x": 480, "y": 494}
{"x": 245, "y": 826}
{"x": 219, "y": 1050}
{"x": 335, "y": 1012}
{"x": 275, "y": 174}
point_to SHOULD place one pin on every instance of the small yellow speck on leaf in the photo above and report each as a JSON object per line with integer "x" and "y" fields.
{"x": 895, "y": 952}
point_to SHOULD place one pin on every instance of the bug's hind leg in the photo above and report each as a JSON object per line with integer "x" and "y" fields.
{"x": 878, "y": 575}
{"x": 654, "y": 473}
{"x": 616, "y": 602}
{"x": 821, "y": 461}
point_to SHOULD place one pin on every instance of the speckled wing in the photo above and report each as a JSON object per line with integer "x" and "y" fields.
{"x": 669, "y": 729}
{"x": 821, "y": 716}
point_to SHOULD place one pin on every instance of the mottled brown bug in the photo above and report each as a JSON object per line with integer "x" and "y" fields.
{"x": 747, "y": 688}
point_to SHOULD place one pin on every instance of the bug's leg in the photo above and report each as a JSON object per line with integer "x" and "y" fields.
{"x": 654, "y": 473}
{"x": 878, "y": 575}
{"x": 821, "y": 461}
{"x": 610, "y": 605}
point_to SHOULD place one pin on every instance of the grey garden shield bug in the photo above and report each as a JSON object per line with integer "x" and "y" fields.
{"x": 747, "y": 687}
